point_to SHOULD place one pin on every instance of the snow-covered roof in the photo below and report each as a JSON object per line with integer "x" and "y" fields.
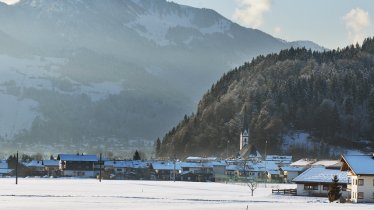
{"x": 279, "y": 158}
{"x": 321, "y": 175}
{"x": 292, "y": 168}
{"x": 127, "y": 163}
{"x": 273, "y": 172}
{"x": 34, "y": 163}
{"x": 233, "y": 168}
{"x": 166, "y": 165}
{"x": 360, "y": 164}
{"x": 5, "y": 171}
{"x": 50, "y": 163}
{"x": 192, "y": 165}
{"x": 3, "y": 164}
{"x": 303, "y": 162}
{"x": 327, "y": 163}
{"x": 77, "y": 157}
{"x": 201, "y": 159}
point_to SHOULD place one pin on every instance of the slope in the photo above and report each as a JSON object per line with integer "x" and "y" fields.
{"x": 327, "y": 95}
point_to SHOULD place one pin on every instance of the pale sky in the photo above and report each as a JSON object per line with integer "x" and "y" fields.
{"x": 331, "y": 23}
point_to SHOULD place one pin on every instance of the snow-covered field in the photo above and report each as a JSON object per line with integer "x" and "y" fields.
{"x": 141, "y": 195}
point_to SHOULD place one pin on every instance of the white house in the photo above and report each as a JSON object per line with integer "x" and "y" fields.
{"x": 360, "y": 169}
{"x": 316, "y": 180}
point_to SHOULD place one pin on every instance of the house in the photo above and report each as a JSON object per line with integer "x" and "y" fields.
{"x": 255, "y": 169}
{"x": 77, "y": 165}
{"x": 360, "y": 169}
{"x": 166, "y": 170}
{"x": 315, "y": 181}
{"x": 290, "y": 172}
{"x": 35, "y": 168}
{"x": 187, "y": 176}
{"x": 4, "y": 168}
{"x": 280, "y": 160}
{"x": 128, "y": 169}
{"x": 51, "y": 167}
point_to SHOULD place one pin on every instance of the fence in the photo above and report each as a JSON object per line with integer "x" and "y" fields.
{"x": 284, "y": 191}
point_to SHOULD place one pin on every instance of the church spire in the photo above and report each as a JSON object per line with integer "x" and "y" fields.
{"x": 244, "y": 135}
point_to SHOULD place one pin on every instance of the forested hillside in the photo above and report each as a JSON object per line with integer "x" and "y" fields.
{"x": 328, "y": 95}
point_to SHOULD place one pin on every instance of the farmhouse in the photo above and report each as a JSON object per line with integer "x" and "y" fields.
{"x": 77, "y": 165}
{"x": 360, "y": 169}
{"x": 316, "y": 180}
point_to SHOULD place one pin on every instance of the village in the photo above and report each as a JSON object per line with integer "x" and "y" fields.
{"x": 355, "y": 173}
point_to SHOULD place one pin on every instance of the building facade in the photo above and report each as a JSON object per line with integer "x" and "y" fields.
{"x": 360, "y": 169}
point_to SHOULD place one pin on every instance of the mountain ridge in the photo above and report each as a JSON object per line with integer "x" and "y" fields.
{"x": 108, "y": 56}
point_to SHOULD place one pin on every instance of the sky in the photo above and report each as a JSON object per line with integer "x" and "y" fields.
{"x": 330, "y": 23}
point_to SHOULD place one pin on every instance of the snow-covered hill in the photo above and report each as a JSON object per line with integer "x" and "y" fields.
{"x": 92, "y": 69}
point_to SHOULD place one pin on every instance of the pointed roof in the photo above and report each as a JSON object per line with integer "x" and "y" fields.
{"x": 249, "y": 151}
{"x": 358, "y": 164}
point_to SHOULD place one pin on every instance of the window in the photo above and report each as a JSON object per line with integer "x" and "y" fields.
{"x": 360, "y": 195}
{"x": 325, "y": 187}
{"x": 360, "y": 182}
{"x": 310, "y": 187}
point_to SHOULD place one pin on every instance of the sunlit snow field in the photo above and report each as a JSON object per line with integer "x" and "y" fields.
{"x": 140, "y": 195}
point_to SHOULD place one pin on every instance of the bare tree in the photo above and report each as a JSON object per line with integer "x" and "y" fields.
{"x": 252, "y": 184}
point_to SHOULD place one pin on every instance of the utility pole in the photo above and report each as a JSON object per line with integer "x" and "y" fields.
{"x": 227, "y": 149}
{"x": 100, "y": 162}
{"x": 174, "y": 168}
{"x": 17, "y": 168}
{"x": 266, "y": 178}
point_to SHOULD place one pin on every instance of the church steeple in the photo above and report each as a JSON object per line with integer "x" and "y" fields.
{"x": 244, "y": 135}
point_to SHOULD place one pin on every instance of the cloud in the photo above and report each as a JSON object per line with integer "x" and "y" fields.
{"x": 10, "y": 1}
{"x": 250, "y": 13}
{"x": 356, "y": 21}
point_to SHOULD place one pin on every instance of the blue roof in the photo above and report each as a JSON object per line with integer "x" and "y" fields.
{"x": 50, "y": 162}
{"x": 166, "y": 165}
{"x": 360, "y": 164}
{"x": 321, "y": 175}
{"x": 292, "y": 168}
{"x": 77, "y": 157}
{"x": 127, "y": 163}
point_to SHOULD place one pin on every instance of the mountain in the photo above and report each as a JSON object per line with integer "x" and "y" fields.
{"x": 300, "y": 102}
{"x": 92, "y": 74}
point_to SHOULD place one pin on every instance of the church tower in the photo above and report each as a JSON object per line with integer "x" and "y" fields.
{"x": 244, "y": 135}
{"x": 244, "y": 138}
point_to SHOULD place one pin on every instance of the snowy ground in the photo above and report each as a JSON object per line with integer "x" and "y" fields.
{"x": 141, "y": 195}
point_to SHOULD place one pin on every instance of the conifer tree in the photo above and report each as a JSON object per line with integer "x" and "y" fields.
{"x": 334, "y": 190}
{"x": 136, "y": 156}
